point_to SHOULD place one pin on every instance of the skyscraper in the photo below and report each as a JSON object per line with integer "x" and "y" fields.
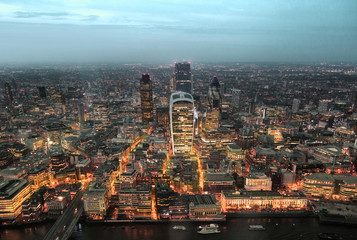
{"x": 8, "y": 95}
{"x": 181, "y": 122}
{"x": 146, "y": 98}
{"x": 237, "y": 99}
{"x": 214, "y": 94}
{"x": 215, "y": 105}
{"x": 183, "y": 77}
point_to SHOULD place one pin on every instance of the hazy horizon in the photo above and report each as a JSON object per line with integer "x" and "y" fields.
{"x": 160, "y": 31}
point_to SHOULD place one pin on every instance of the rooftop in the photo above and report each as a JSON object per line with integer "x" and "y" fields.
{"x": 321, "y": 177}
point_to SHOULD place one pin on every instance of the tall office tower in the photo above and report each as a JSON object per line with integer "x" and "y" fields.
{"x": 81, "y": 113}
{"x": 215, "y": 106}
{"x": 42, "y": 92}
{"x": 237, "y": 99}
{"x": 181, "y": 122}
{"x": 296, "y": 105}
{"x": 214, "y": 94}
{"x": 251, "y": 109}
{"x": 183, "y": 77}
{"x": 8, "y": 95}
{"x": 146, "y": 98}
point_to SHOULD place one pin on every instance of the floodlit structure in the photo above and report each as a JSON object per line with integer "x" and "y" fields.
{"x": 181, "y": 122}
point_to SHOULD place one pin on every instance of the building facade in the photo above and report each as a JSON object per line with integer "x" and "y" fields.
{"x": 181, "y": 122}
{"x": 147, "y": 106}
{"x": 183, "y": 77}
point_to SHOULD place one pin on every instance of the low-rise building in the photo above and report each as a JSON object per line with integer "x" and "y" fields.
{"x": 95, "y": 200}
{"x": 136, "y": 199}
{"x": 13, "y": 192}
{"x": 237, "y": 201}
{"x": 203, "y": 207}
{"x": 258, "y": 182}
{"x": 319, "y": 185}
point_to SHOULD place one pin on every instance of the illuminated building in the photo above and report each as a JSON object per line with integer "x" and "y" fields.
{"x": 203, "y": 207}
{"x": 146, "y": 99}
{"x": 95, "y": 200}
{"x": 234, "y": 152}
{"x": 181, "y": 122}
{"x": 101, "y": 114}
{"x": 261, "y": 156}
{"x": 14, "y": 172}
{"x": 39, "y": 176}
{"x": 163, "y": 116}
{"x": 328, "y": 154}
{"x": 348, "y": 189}
{"x": 258, "y": 182}
{"x": 128, "y": 179}
{"x": 136, "y": 199}
{"x": 165, "y": 197}
{"x": 236, "y": 201}
{"x": 13, "y": 192}
{"x": 217, "y": 181}
{"x": 58, "y": 204}
{"x": 319, "y": 185}
{"x": 183, "y": 77}
{"x": 276, "y": 133}
{"x": 58, "y": 163}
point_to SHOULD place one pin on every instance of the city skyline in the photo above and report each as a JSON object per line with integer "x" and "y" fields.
{"x": 199, "y": 31}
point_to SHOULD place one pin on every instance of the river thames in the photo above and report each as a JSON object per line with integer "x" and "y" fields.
{"x": 233, "y": 229}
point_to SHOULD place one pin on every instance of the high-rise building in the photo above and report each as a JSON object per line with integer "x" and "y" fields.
{"x": 214, "y": 94}
{"x": 296, "y": 105}
{"x": 8, "y": 95}
{"x": 42, "y": 92}
{"x": 183, "y": 77}
{"x": 237, "y": 99}
{"x": 146, "y": 98}
{"x": 181, "y": 122}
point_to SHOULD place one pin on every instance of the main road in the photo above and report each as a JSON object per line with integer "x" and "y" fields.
{"x": 63, "y": 227}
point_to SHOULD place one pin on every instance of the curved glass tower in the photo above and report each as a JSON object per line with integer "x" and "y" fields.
{"x": 181, "y": 122}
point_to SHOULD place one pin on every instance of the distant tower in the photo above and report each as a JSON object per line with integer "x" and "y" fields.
{"x": 183, "y": 77}
{"x": 8, "y": 95}
{"x": 237, "y": 99}
{"x": 296, "y": 105}
{"x": 214, "y": 94}
{"x": 215, "y": 106}
{"x": 42, "y": 92}
{"x": 146, "y": 98}
{"x": 81, "y": 113}
{"x": 181, "y": 122}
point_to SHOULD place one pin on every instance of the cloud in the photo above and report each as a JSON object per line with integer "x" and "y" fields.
{"x": 20, "y": 14}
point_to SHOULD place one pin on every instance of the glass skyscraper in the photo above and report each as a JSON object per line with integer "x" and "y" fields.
{"x": 181, "y": 122}
{"x": 146, "y": 98}
{"x": 183, "y": 77}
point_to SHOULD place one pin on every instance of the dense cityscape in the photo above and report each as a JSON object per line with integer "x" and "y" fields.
{"x": 180, "y": 142}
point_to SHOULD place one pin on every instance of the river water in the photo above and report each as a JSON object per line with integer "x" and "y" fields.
{"x": 233, "y": 229}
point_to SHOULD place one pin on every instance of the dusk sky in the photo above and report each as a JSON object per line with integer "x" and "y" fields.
{"x": 163, "y": 31}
